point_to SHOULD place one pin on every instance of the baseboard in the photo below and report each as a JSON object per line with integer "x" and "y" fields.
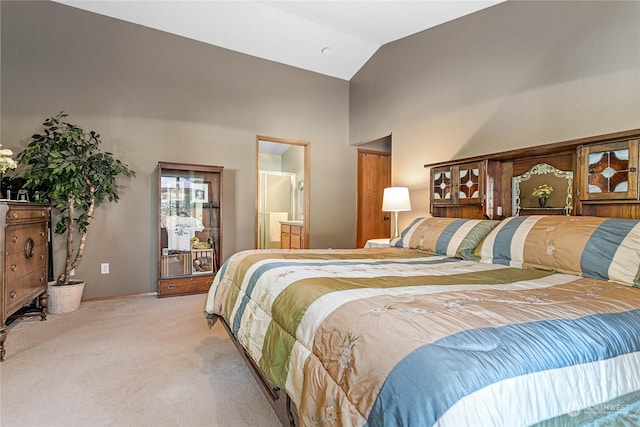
{"x": 146, "y": 294}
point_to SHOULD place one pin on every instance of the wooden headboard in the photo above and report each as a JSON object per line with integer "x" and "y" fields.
{"x": 481, "y": 186}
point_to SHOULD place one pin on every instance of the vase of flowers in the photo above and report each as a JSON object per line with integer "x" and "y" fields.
{"x": 542, "y": 192}
{"x": 6, "y": 163}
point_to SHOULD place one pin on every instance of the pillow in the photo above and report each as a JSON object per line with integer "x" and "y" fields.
{"x": 454, "y": 237}
{"x": 594, "y": 247}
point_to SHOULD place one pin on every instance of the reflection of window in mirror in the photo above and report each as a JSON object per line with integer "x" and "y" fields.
{"x": 543, "y": 179}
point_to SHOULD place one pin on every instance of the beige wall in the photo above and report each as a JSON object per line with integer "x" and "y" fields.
{"x": 157, "y": 97}
{"x": 514, "y": 75}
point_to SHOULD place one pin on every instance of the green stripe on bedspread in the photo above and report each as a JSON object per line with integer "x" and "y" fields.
{"x": 241, "y": 268}
{"x": 333, "y": 255}
{"x": 622, "y": 411}
{"x": 289, "y": 307}
{"x": 276, "y": 353}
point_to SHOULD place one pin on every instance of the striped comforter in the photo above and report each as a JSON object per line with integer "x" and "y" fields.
{"x": 389, "y": 337}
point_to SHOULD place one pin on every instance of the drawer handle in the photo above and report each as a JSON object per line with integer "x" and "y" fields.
{"x": 14, "y": 267}
{"x": 13, "y": 294}
{"x": 172, "y": 286}
{"x": 42, "y": 234}
{"x": 15, "y": 214}
{"x": 28, "y": 247}
{"x": 42, "y": 278}
{"x": 41, "y": 256}
{"x": 14, "y": 239}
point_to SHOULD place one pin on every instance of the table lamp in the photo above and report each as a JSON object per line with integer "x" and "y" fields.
{"x": 396, "y": 199}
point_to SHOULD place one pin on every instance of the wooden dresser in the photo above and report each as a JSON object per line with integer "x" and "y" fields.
{"x": 24, "y": 244}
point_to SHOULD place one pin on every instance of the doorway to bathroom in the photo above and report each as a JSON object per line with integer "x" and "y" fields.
{"x": 282, "y": 194}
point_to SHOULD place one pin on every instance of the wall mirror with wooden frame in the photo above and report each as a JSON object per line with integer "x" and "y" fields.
{"x": 526, "y": 200}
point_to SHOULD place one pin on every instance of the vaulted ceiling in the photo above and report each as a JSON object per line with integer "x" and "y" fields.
{"x": 330, "y": 37}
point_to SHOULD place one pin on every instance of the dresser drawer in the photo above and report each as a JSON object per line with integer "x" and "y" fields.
{"x": 16, "y": 213}
{"x": 18, "y": 265}
{"x": 184, "y": 286}
{"x": 18, "y": 235}
{"x": 24, "y": 289}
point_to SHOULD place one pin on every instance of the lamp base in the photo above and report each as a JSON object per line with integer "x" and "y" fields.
{"x": 395, "y": 221}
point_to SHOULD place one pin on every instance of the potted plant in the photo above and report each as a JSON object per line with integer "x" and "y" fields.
{"x": 66, "y": 168}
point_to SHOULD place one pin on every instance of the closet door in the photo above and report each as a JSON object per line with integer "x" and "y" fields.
{"x": 374, "y": 175}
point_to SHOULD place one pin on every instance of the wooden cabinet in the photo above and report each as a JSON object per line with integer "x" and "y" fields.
{"x": 189, "y": 227}
{"x": 609, "y": 171}
{"x": 463, "y": 189}
{"x": 291, "y": 236}
{"x": 24, "y": 244}
{"x": 607, "y": 178}
{"x": 604, "y": 169}
{"x": 458, "y": 184}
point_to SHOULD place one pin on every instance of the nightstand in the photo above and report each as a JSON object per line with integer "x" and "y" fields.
{"x": 377, "y": 243}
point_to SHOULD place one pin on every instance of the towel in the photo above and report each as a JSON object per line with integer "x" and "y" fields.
{"x": 274, "y": 224}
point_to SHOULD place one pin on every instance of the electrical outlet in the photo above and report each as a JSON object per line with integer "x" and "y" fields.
{"x": 104, "y": 268}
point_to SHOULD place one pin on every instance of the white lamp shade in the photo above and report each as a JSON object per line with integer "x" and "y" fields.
{"x": 396, "y": 199}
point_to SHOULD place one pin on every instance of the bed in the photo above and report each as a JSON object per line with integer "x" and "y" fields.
{"x": 532, "y": 320}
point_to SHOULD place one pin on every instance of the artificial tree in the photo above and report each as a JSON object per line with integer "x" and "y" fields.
{"x": 66, "y": 168}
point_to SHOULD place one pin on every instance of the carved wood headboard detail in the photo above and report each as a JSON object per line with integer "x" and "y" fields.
{"x": 592, "y": 161}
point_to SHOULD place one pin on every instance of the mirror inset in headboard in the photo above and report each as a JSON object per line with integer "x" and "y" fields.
{"x": 543, "y": 174}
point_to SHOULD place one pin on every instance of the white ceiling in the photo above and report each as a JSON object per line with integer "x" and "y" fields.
{"x": 291, "y": 32}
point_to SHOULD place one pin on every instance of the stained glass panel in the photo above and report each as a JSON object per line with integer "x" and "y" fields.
{"x": 442, "y": 185}
{"x": 608, "y": 171}
{"x": 469, "y": 183}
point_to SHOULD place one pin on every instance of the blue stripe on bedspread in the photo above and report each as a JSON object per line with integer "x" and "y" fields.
{"x": 278, "y": 264}
{"x": 434, "y": 377}
{"x": 502, "y": 244}
{"x": 601, "y": 247}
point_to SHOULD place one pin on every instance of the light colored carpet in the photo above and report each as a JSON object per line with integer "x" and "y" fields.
{"x": 128, "y": 362}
